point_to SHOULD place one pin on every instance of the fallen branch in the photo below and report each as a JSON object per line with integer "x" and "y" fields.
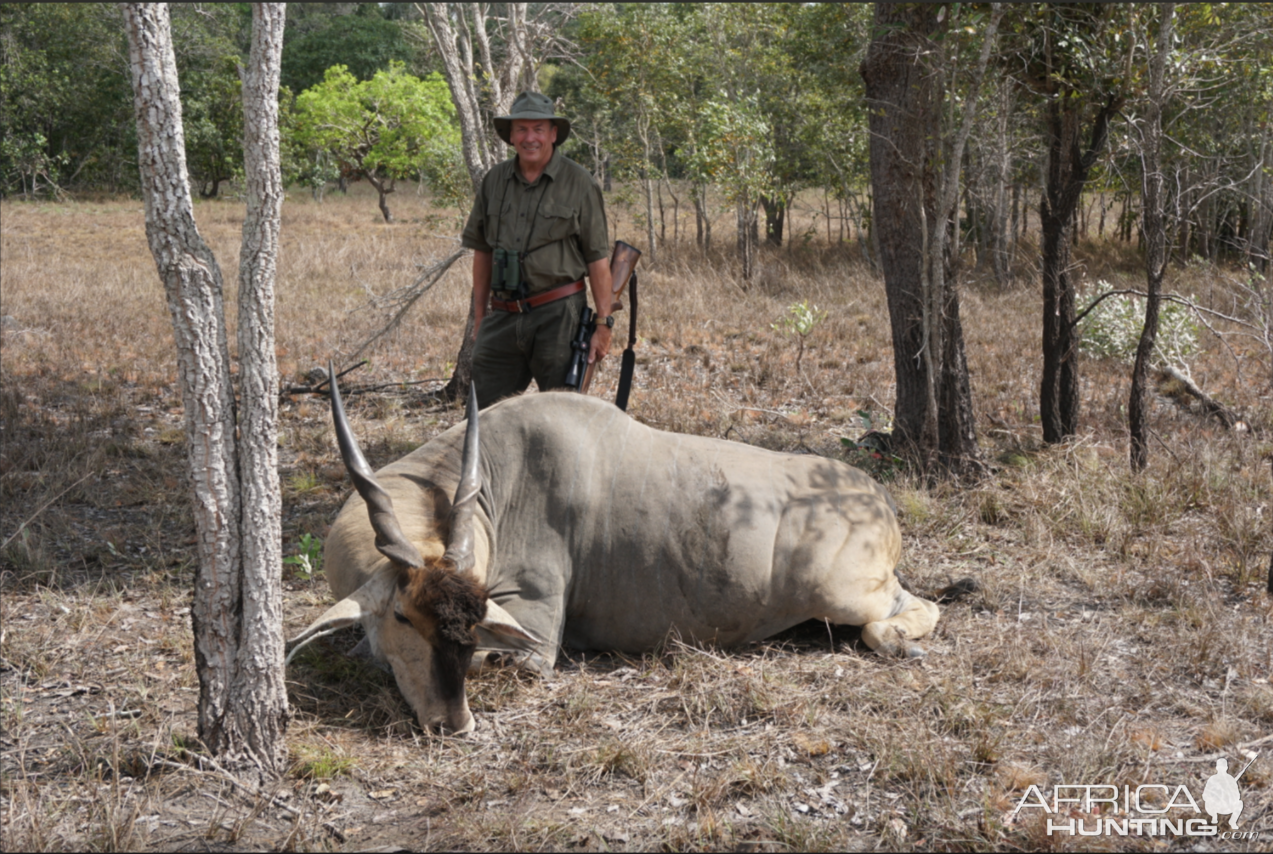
{"x": 365, "y": 389}
{"x": 317, "y": 388}
{"x": 1210, "y": 405}
{"x": 218, "y": 771}
{"x": 407, "y": 297}
{"x": 43, "y": 507}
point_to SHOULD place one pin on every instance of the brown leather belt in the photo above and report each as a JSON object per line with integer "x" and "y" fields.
{"x": 517, "y": 306}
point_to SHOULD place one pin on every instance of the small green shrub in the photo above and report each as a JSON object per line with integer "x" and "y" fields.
{"x": 800, "y": 320}
{"x": 309, "y": 560}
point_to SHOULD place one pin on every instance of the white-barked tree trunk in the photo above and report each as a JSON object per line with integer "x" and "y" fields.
{"x": 237, "y": 611}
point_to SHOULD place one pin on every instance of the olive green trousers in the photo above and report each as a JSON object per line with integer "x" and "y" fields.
{"x": 512, "y": 349}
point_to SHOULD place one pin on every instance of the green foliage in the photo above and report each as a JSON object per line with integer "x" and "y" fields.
{"x": 364, "y": 43}
{"x": 1112, "y": 330}
{"x": 800, "y": 319}
{"x": 65, "y": 100}
{"x": 735, "y": 150}
{"x": 321, "y": 764}
{"x": 212, "y": 116}
{"x": 391, "y": 126}
{"x": 307, "y": 562}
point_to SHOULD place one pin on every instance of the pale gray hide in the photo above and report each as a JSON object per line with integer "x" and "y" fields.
{"x": 594, "y": 531}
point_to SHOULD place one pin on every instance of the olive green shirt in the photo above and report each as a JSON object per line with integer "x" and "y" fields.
{"x": 559, "y": 221}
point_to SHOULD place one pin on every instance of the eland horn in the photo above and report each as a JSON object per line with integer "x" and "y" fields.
{"x": 390, "y": 541}
{"x": 460, "y": 548}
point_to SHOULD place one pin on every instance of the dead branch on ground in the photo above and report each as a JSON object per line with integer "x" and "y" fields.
{"x": 1227, "y": 417}
{"x": 400, "y": 301}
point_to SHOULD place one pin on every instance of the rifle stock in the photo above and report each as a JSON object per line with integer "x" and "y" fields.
{"x": 623, "y": 261}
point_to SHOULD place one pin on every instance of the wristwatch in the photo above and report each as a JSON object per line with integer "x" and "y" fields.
{"x": 607, "y": 321}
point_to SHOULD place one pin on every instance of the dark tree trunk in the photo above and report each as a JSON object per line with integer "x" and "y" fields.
{"x": 457, "y": 388}
{"x": 1155, "y": 239}
{"x": 775, "y": 215}
{"x": 904, "y": 124}
{"x": 702, "y": 220}
{"x": 956, "y": 426}
{"x": 915, "y": 193}
{"x": 1068, "y": 168}
{"x": 384, "y": 187}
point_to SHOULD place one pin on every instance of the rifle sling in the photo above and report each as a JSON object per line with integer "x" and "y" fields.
{"x": 628, "y": 365}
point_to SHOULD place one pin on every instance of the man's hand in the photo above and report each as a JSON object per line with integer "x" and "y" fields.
{"x": 602, "y": 298}
{"x": 600, "y": 343}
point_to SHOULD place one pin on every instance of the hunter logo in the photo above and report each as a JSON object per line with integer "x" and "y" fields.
{"x": 1152, "y": 809}
{"x": 1220, "y": 796}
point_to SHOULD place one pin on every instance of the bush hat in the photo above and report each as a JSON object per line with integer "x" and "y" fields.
{"x": 532, "y": 106}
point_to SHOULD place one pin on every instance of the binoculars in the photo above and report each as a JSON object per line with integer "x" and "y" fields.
{"x": 506, "y": 271}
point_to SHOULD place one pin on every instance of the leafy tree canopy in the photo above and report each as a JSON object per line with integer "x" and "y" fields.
{"x": 364, "y": 42}
{"x": 392, "y": 126}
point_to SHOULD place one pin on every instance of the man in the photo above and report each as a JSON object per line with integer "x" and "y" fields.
{"x": 538, "y": 225}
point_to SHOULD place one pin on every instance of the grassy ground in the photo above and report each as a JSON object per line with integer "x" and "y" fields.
{"x": 1120, "y": 635}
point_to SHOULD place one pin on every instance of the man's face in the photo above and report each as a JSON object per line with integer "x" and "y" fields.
{"x": 533, "y": 140}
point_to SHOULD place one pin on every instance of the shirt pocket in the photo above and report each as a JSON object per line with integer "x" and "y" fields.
{"x": 494, "y": 228}
{"x": 556, "y": 222}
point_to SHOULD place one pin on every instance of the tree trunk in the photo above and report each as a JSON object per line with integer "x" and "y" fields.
{"x": 1067, "y": 170}
{"x": 457, "y": 388}
{"x": 237, "y": 610}
{"x": 904, "y": 127}
{"x": 702, "y": 218}
{"x": 384, "y": 186}
{"x": 455, "y": 47}
{"x": 1002, "y": 247}
{"x": 647, "y": 181}
{"x": 745, "y": 214}
{"x": 478, "y": 157}
{"x": 915, "y": 212}
{"x": 1155, "y": 237}
{"x": 258, "y": 700}
{"x": 775, "y": 213}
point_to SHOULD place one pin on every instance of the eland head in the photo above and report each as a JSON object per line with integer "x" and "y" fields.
{"x": 422, "y": 615}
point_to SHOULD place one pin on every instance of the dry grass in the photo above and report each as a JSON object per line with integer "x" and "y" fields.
{"x": 1120, "y": 634}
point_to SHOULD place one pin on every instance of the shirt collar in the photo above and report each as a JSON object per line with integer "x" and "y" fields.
{"x": 551, "y": 170}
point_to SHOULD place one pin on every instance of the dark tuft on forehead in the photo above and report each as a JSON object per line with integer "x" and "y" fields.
{"x": 455, "y": 602}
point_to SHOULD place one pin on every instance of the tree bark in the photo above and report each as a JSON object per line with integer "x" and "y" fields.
{"x": 1068, "y": 168}
{"x": 905, "y": 126}
{"x": 237, "y": 609}
{"x": 775, "y": 219}
{"x": 913, "y": 217}
{"x": 383, "y": 186}
{"x": 1155, "y": 238}
{"x": 259, "y": 696}
{"x": 461, "y": 68}
{"x": 478, "y": 157}
{"x": 479, "y": 154}
{"x": 647, "y": 182}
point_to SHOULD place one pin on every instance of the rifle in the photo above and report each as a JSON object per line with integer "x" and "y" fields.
{"x": 579, "y": 369}
{"x": 623, "y": 263}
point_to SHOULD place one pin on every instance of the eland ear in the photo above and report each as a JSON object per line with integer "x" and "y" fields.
{"x": 370, "y": 599}
{"x": 502, "y": 626}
